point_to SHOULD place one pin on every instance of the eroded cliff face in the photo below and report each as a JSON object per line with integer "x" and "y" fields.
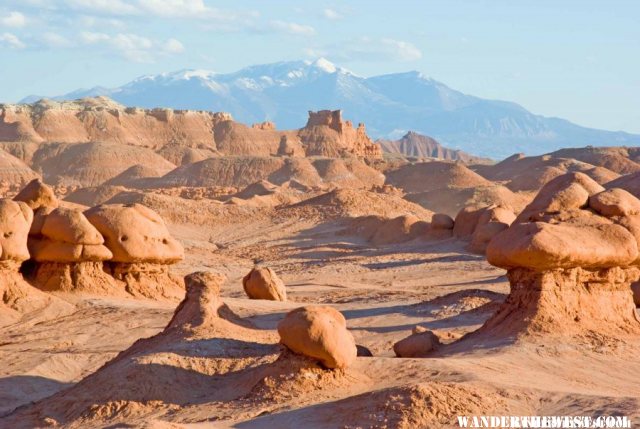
{"x": 103, "y": 120}
{"x": 326, "y": 134}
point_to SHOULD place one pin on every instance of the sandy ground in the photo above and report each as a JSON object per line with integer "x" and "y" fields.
{"x": 383, "y": 292}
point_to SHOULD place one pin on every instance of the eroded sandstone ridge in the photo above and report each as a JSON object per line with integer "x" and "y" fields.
{"x": 180, "y": 136}
{"x": 571, "y": 256}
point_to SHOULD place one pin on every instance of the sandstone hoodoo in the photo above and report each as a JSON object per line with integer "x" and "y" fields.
{"x": 68, "y": 252}
{"x": 17, "y": 295}
{"x": 419, "y": 344}
{"x": 571, "y": 257}
{"x": 319, "y": 333}
{"x": 264, "y": 283}
{"x": 201, "y": 303}
{"x": 142, "y": 247}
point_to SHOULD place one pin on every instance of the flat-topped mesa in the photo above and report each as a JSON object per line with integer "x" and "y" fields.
{"x": 571, "y": 256}
{"x": 68, "y": 253}
{"x": 142, "y": 247}
{"x": 326, "y": 134}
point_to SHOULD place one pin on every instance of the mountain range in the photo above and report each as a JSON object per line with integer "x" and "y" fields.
{"x": 389, "y": 105}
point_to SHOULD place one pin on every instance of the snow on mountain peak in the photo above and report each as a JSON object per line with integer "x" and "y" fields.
{"x": 325, "y": 65}
{"x": 197, "y": 73}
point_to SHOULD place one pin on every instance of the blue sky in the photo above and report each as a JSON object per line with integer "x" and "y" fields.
{"x": 573, "y": 59}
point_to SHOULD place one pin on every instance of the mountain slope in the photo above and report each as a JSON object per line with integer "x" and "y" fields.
{"x": 390, "y": 105}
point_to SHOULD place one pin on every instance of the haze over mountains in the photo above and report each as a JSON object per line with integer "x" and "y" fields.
{"x": 390, "y": 105}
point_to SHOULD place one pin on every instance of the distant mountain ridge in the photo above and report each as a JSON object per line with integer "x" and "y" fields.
{"x": 416, "y": 145}
{"x": 390, "y": 105}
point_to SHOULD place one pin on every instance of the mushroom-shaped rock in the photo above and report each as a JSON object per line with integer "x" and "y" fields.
{"x": 419, "y": 344}
{"x": 571, "y": 257}
{"x": 15, "y": 222}
{"x": 615, "y": 202}
{"x": 264, "y": 283}
{"x": 321, "y": 333}
{"x": 135, "y": 233}
{"x": 545, "y": 246}
{"x": 17, "y": 296}
{"x": 68, "y": 252}
{"x": 202, "y": 300}
{"x": 142, "y": 249}
{"x": 36, "y": 195}
{"x": 67, "y": 236}
{"x": 441, "y": 226}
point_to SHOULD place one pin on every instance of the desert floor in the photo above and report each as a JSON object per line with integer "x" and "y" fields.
{"x": 382, "y": 291}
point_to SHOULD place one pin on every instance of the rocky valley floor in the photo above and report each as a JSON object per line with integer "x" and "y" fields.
{"x": 383, "y": 291}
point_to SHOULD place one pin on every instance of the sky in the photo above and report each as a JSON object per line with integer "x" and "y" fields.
{"x": 577, "y": 60}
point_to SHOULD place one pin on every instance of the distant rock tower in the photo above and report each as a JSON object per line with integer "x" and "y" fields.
{"x": 326, "y": 134}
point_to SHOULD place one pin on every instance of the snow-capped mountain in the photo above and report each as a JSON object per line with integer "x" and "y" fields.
{"x": 389, "y": 105}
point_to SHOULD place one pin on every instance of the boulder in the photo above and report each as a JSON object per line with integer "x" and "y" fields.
{"x": 566, "y": 192}
{"x": 544, "y": 246}
{"x": 419, "y": 344}
{"x": 264, "y": 283}
{"x": 492, "y": 220}
{"x": 466, "y": 221}
{"x": 15, "y": 223}
{"x": 320, "y": 333}
{"x": 65, "y": 235}
{"x": 135, "y": 234}
{"x": 441, "y": 226}
{"x": 36, "y": 195}
{"x": 442, "y": 221}
{"x": 615, "y": 202}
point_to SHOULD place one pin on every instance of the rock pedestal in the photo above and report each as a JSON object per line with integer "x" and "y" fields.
{"x": 571, "y": 257}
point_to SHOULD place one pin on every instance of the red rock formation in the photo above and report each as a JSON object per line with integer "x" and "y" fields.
{"x": 326, "y": 134}
{"x": 172, "y": 132}
{"x": 266, "y": 125}
{"x": 571, "y": 257}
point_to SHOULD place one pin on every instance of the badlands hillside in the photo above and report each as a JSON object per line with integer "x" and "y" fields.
{"x": 178, "y": 269}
